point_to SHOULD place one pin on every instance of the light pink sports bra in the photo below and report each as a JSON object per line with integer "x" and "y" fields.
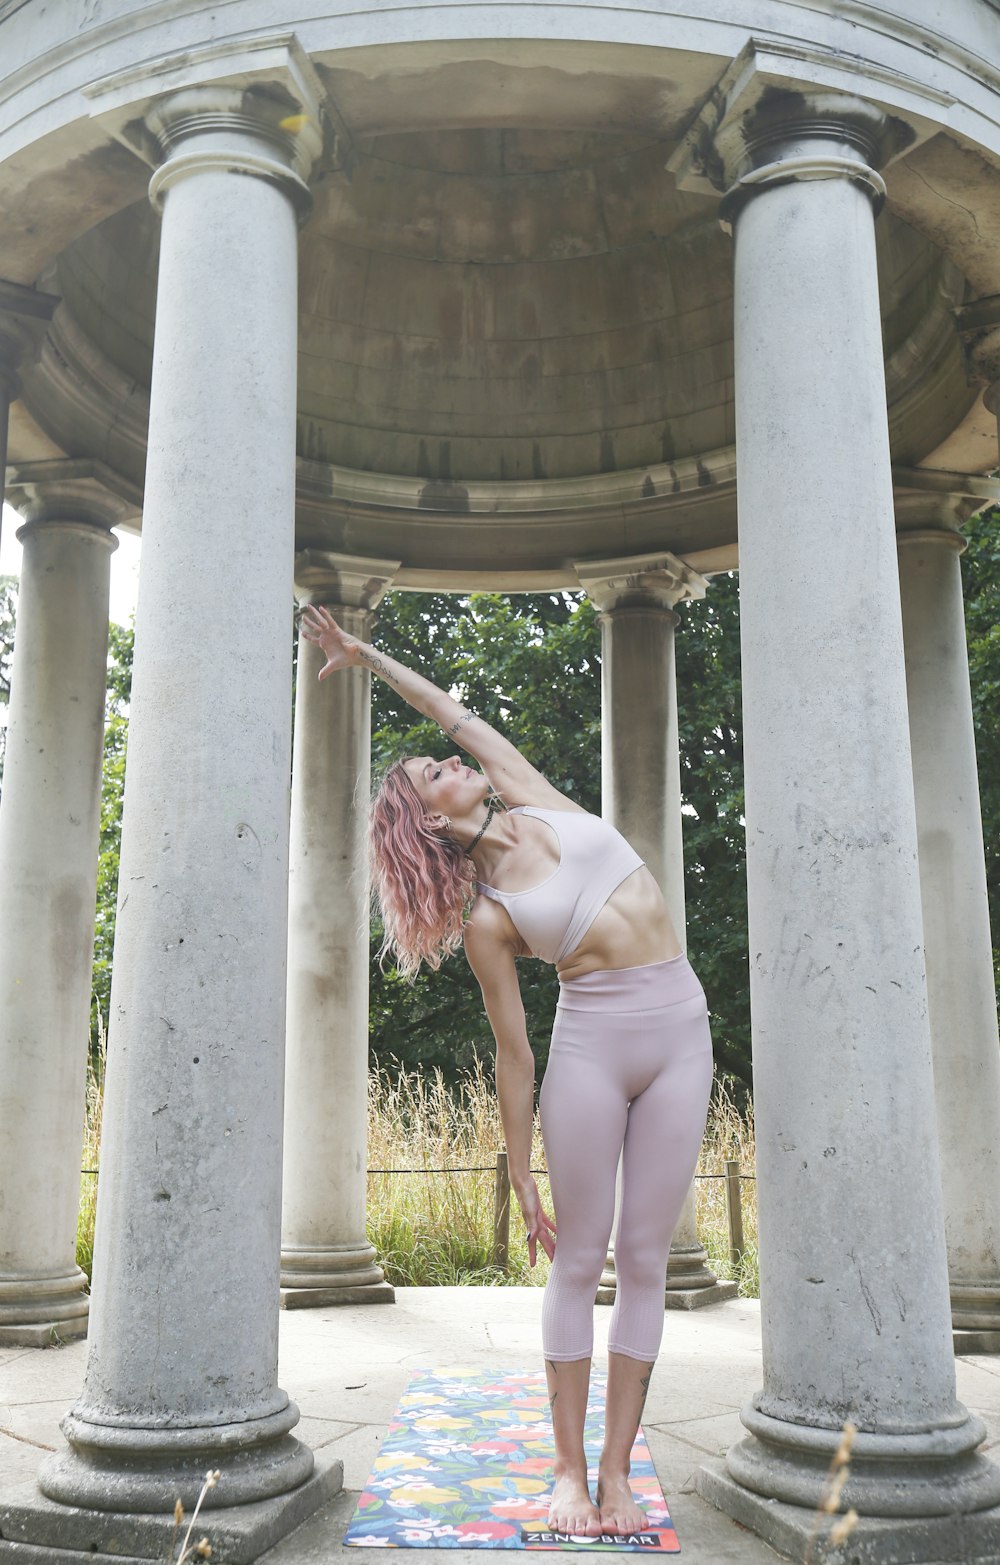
{"x": 594, "y": 859}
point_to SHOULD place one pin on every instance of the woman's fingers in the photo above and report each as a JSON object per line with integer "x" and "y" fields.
{"x": 541, "y": 1230}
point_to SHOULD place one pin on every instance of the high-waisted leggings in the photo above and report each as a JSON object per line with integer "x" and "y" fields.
{"x": 629, "y": 1074}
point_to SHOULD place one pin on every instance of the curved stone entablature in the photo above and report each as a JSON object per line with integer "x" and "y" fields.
{"x": 504, "y": 290}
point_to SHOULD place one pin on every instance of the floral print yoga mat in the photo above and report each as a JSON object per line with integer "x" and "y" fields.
{"x": 467, "y": 1464}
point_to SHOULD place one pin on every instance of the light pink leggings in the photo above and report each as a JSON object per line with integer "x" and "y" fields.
{"x": 630, "y": 1064}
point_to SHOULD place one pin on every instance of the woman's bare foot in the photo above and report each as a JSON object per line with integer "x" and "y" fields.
{"x": 571, "y": 1509}
{"x": 618, "y": 1511}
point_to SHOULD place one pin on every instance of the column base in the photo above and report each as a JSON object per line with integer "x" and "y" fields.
{"x": 34, "y": 1527}
{"x": 935, "y": 1471}
{"x": 52, "y": 1333}
{"x": 687, "y": 1267}
{"x": 676, "y": 1298}
{"x": 686, "y": 1298}
{"x": 348, "y": 1293}
{"x": 955, "y": 1539}
{"x": 339, "y": 1274}
{"x": 975, "y": 1317}
{"x": 974, "y": 1342}
{"x": 128, "y": 1467}
{"x": 41, "y": 1312}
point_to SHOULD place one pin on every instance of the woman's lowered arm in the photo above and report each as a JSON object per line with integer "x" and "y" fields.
{"x": 491, "y": 958}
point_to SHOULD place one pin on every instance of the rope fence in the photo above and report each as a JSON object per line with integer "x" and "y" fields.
{"x": 501, "y": 1200}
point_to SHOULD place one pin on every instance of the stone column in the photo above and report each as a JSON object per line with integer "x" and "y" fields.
{"x": 854, "y": 1286}
{"x": 641, "y": 788}
{"x": 182, "y": 1369}
{"x": 957, "y": 943}
{"x": 49, "y": 827}
{"x": 325, "y": 1255}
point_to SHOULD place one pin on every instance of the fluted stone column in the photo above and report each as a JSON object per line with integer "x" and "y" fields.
{"x": 182, "y": 1369}
{"x": 49, "y": 828}
{"x": 957, "y": 942}
{"x": 854, "y": 1287}
{"x": 325, "y": 1254}
{"x": 641, "y": 788}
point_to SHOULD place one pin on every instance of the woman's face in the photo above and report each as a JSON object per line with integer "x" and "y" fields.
{"x": 447, "y": 787}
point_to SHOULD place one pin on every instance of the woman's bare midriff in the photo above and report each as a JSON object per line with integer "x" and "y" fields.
{"x": 633, "y": 929}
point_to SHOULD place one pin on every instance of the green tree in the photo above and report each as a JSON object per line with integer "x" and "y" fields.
{"x": 981, "y": 588}
{"x": 710, "y": 727}
{"x": 120, "y": 645}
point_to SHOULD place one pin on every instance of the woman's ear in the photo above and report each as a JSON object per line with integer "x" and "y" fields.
{"x": 440, "y": 825}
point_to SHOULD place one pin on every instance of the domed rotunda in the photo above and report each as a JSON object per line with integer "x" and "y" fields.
{"x": 327, "y": 301}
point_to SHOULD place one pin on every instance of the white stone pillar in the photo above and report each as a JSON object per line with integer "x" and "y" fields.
{"x": 854, "y": 1287}
{"x": 182, "y": 1369}
{"x": 641, "y": 789}
{"x": 325, "y": 1254}
{"x": 49, "y": 828}
{"x": 957, "y": 942}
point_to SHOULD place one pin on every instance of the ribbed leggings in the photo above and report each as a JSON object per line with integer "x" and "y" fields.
{"x": 630, "y": 1067}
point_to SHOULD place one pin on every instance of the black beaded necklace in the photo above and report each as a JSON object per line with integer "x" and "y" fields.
{"x": 492, "y": 806}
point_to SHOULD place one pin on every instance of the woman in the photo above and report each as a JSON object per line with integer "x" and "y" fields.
{"x": 630, "y": 1063}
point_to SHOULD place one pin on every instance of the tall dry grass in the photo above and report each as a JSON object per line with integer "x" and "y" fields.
{"x": 91, "y": 1153}
{"x": 432, "y": 1223}
{"x": 432, "y": 1227}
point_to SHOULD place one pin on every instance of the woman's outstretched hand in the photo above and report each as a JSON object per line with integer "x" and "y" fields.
{"x": 540, "y": 1227}
{"x": 320, "y": 627}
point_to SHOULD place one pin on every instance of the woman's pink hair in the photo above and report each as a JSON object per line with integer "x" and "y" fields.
{"x": 423, "y": 883}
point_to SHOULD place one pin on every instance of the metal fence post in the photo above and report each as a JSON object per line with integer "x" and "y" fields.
{"x": 501, "y": 1213}
{"x": 734, "y": 1211}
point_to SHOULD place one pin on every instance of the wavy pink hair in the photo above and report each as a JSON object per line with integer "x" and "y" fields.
{"x": 422, "y": 883}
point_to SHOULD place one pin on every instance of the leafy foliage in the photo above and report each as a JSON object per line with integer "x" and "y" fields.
{"x": 710, "y": 728}
{"x": 120, "y": 645}
{"x": 981, "y": 587}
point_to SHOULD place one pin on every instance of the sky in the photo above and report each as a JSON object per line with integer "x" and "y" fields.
{"x": 124, "y": 565}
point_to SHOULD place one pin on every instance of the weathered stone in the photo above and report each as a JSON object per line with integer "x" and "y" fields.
{"x": 49, "y": 821}
{"x": 956, "y": 920}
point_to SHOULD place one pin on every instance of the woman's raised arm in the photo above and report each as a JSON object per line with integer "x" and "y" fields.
{"x": 513, "y": 777}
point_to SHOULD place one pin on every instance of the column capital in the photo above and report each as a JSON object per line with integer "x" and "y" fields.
{"x": 351, "y": 580}
{"x": 928, "y": 499}
{"x": 78, "y": 491}
{"x": 649, "y": 581}
{"x": 242, "y": 130}
{"x": 24, "y": 315}
{"x": 764, "y": 126}
{"x": 944, "y": 536}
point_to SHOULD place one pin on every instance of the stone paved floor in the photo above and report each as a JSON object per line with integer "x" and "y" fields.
{"x": 346, "y": 1369}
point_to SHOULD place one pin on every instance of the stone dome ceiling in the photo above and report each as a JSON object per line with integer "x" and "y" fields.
{"x": 502, "y": 305}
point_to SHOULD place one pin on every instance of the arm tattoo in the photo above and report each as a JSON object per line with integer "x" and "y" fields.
{"x": 466, "y": 717}
{"x": 375, "y": 663}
